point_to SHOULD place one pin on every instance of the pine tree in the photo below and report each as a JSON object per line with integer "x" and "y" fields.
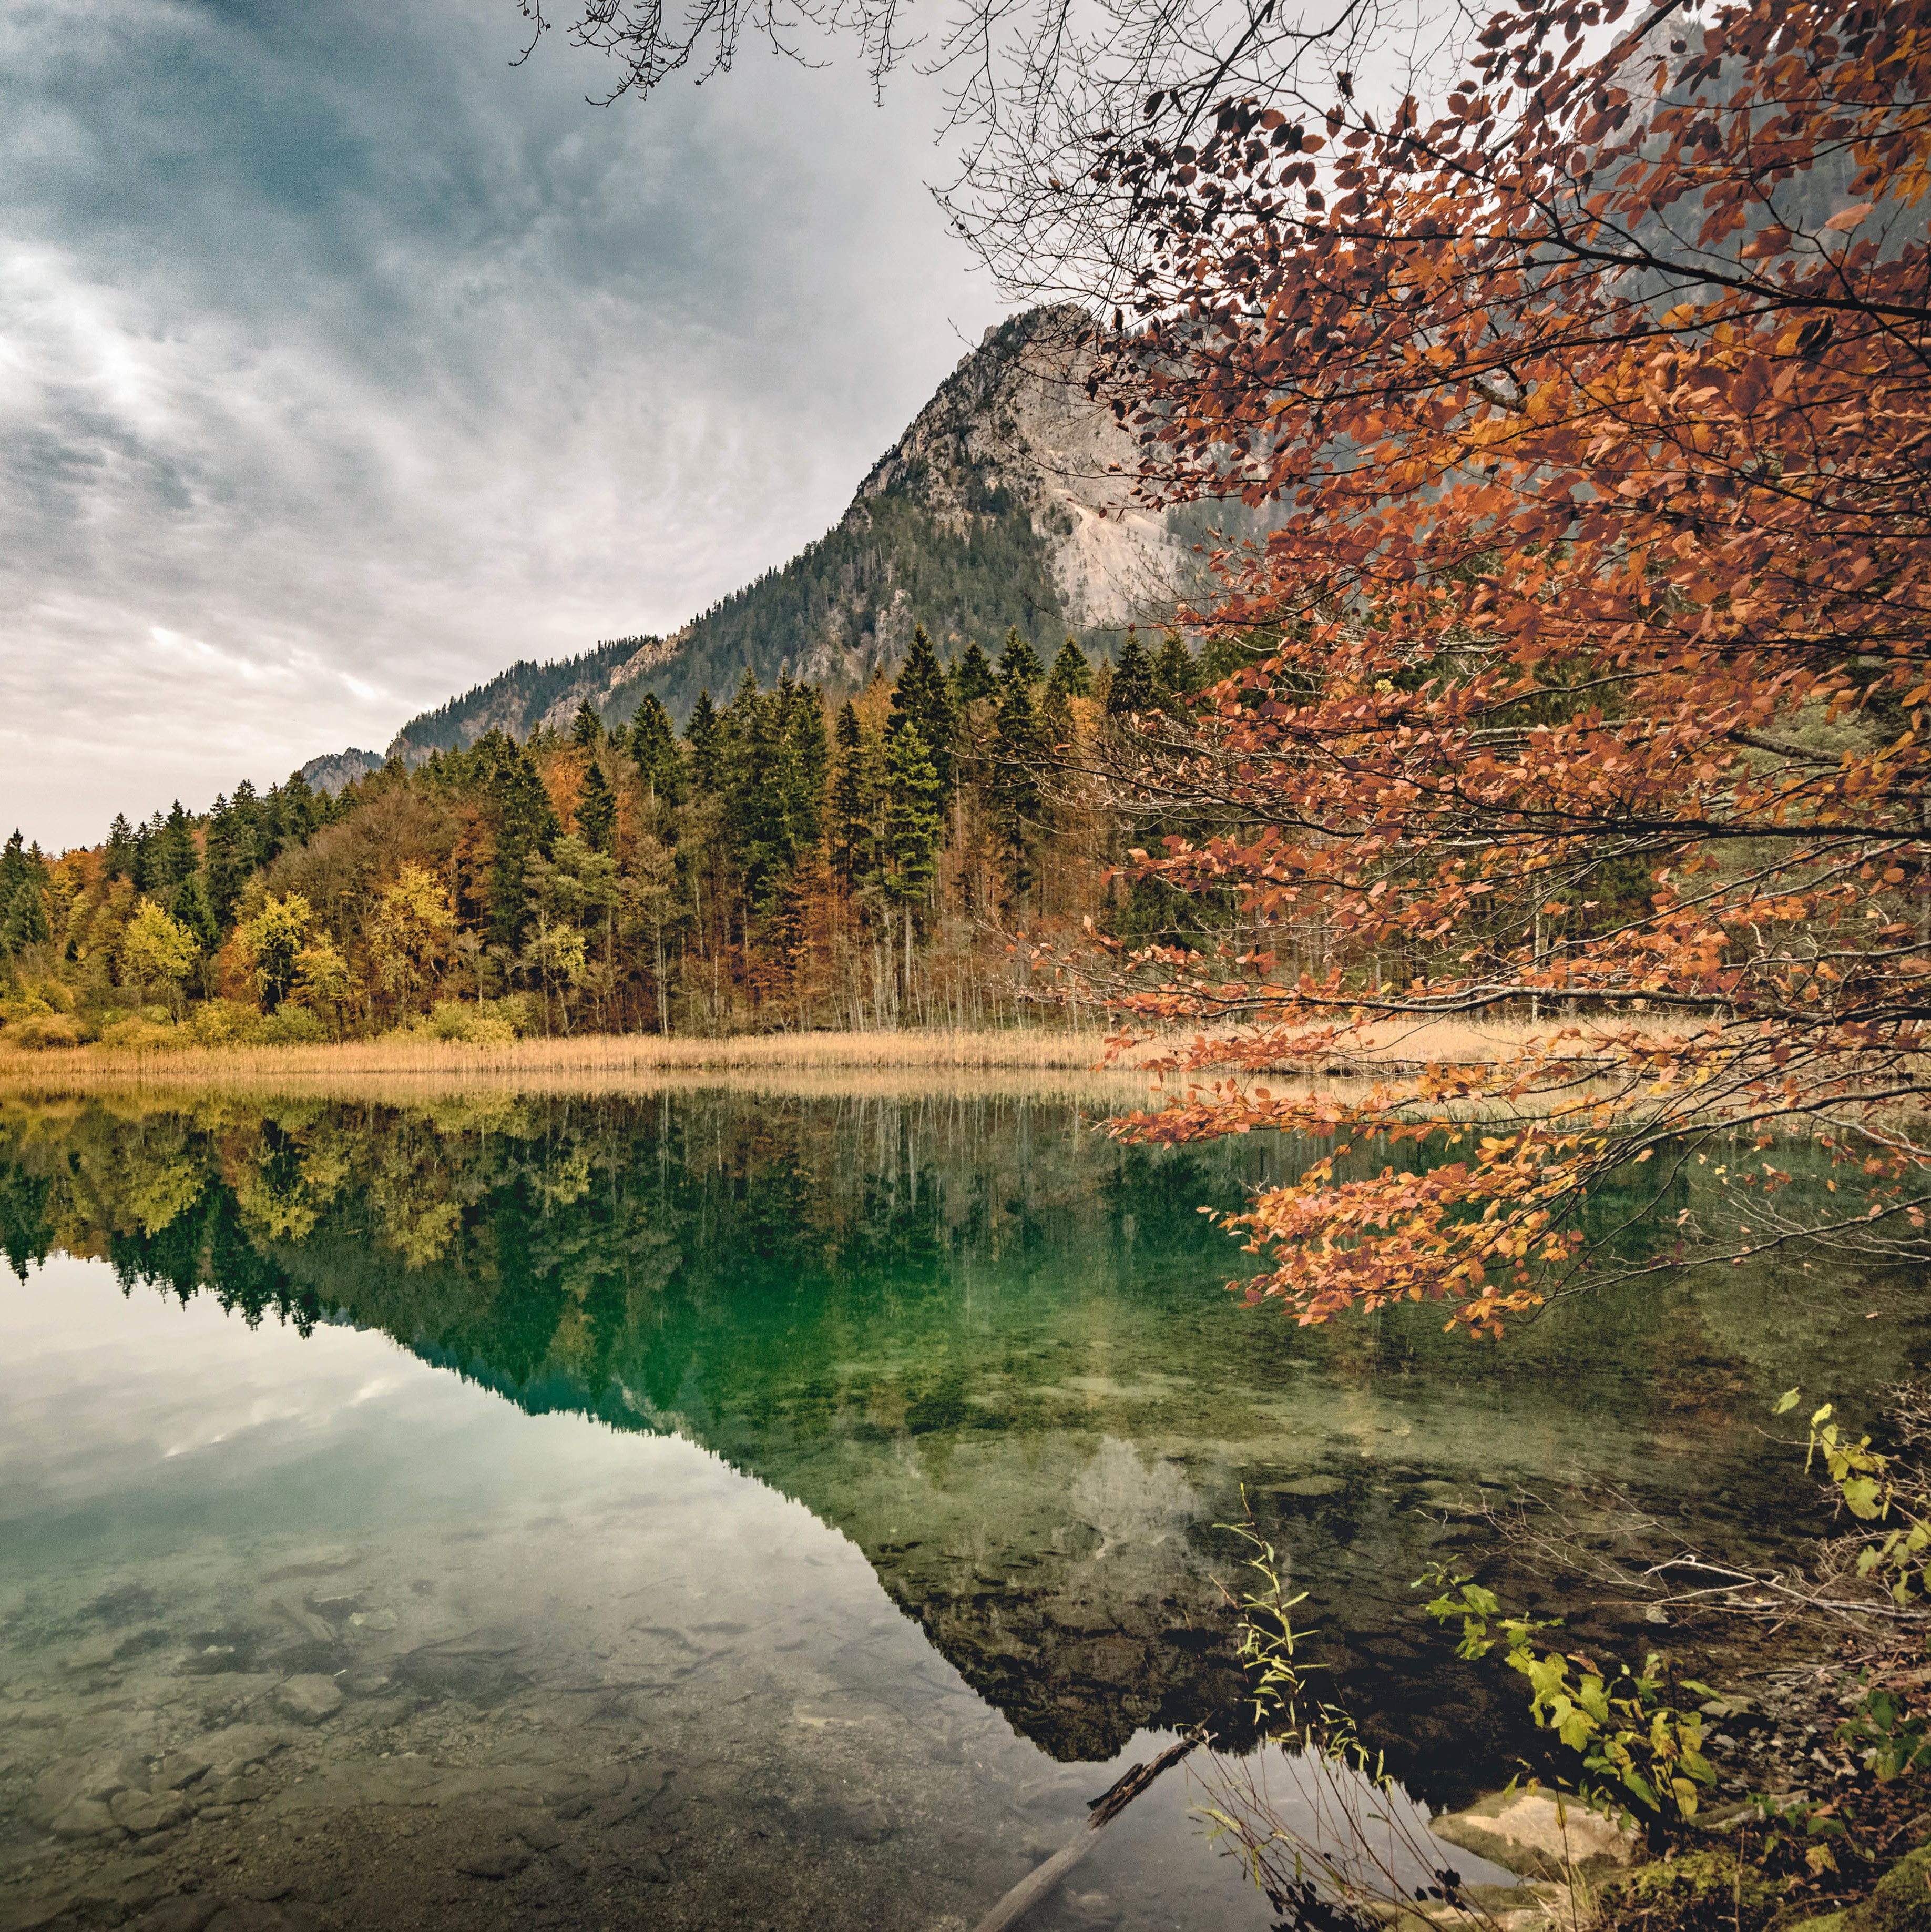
{"x": 1071, "y": 675}
{"x": 1134, "y": 688}
{"x": 192, "y": 910}
{"x": 653, "y": 745}
{"x": 596, "y": 810}
{"x": 120, "y": 853}
{"x": 806, "y": 759}
{"x": 972, "y": 677}
{"x": 586, "y": 727}
{"x": 23, "y": 907}
{"x": 1174, "y": 669}
{"x": 174, "y": 856}
{"x": 1018, "y": 814}
{"x": 914, "y": 820}
{"x": 920, "y": 700}
{"x": 525, "y": 825}
{"x": 229, "y": 858}
{"x": 1018, "y": 659}
{"x": 850, "y": 808}
{"x": 705, "y": 735}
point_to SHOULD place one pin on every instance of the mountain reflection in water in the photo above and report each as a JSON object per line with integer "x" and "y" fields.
{"x": 987, "y": 1346}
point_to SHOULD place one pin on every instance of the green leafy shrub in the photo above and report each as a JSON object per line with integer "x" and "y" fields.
{"x": 477, "y": 1023}
{"x": 38, "y": 1032}
{"x": 222, "y": 1023}
{"x": 1629, "y": 1727}
{"x": 288, "y": 1026}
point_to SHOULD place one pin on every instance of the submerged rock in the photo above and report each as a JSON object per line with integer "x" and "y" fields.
{"x": 1541, "y": 1834}
{"x": 308, "y": 1700}
{"x": 142, "y": 1812}
{"x": 92, "y": 1779}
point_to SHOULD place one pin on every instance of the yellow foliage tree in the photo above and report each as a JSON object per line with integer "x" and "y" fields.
{"x": 271, "y": 945}
{"x": 157, "y": 952}
{"x": 410, "y": 934}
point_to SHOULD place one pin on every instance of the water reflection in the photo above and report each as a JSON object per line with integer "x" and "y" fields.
{"x": 985, "y": 1346}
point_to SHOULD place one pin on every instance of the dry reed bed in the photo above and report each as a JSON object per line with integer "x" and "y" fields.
{"x": 963, "y": 1061}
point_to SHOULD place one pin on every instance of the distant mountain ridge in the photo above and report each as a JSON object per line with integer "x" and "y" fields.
{"x": 1006, "y": 502}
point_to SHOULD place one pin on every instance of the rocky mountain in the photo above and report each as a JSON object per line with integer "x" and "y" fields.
{"x": 1005, "y": 502}
{"x": 334, "y": 770}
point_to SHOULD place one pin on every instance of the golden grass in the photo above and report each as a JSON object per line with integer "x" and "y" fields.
{"x": 959, "y": 1061}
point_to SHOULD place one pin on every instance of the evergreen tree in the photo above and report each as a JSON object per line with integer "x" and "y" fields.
{"x": 705, "y": 737}
{"x": 1134, "y": 688}
{"x": 1174, "y": 669}
{"x": 920, "y": 700}
{"x": 914, "y": 818}
{"x": 971, "y": 676}
{"x": 1071, "y": 675}
{"x": 192, "y": 910}
{"x": 230, "y": 856}
{"x": 806, "y": 761}
{"x": 1019, "y": 659}
{"x": 653, "y": 745}
{"x": 596, "y": 810}
{"x": 1018, "y": 813}
{"x": 174, "y": 856}
{"x": 756, "y": 821}
{"x": 850, "y": 808}
{"x": 23, "y": 906}
{"x": 525, "y": 825}
{"x": 586, "y": 727}
{"x": 120, "y": 853}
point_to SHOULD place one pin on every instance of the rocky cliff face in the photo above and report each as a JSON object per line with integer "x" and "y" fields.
{"x": 1006, "y": 502}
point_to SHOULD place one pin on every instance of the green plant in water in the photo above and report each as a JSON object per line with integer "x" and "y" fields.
{"x": 1635, "y": 1738}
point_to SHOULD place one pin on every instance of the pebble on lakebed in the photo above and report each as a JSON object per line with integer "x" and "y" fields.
{"x": 308, "y": 1700}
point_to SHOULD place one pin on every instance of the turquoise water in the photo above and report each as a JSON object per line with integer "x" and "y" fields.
{"x": 727, "y": 1509}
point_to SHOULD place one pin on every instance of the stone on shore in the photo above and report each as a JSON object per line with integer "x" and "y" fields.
{"x": 1540, "y": 1833}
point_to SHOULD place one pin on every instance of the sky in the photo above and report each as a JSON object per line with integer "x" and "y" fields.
{"x": 343, "y": 364}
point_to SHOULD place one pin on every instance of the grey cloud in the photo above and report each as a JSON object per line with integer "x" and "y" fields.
{"x": 340, "y": 365}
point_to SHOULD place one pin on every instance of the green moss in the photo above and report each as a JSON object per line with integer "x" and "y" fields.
{"x": 1690, "y": 1893}
{"x": 1902, "y": 1901}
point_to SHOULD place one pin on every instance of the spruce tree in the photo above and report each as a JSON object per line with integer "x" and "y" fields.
{"x": 851, "y": 809}
{"x": 920, "y": 700}
{"x": 914, "y": 818}
{"x": 705, "y": 737}
{"x": 653, "y": 745}
{"x": 1018, "y": 813}
{"x": 23, "y": 909}
{"x": 596, "y": 810}
{"x": 1174, "y": 669}
{"x": 1071, "y": 675}
{"x": 1019, "y": 659}
{"x": 525, "y": 825}
{"x": 1134, "y": 688}
{"x": 806, "y": 761}
{"x": 586, "y": 727}
{"x": 174, "y": 856}
{"x": 120, "y": 853}
{"x": 971, "y": 676}
{"x": 192, "y": 910}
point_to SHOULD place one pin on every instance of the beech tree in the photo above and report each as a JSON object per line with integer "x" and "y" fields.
{"x": 1592, "y": 662}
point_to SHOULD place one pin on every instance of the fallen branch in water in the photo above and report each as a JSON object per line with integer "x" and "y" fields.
{"x": 1101, "y": 1812}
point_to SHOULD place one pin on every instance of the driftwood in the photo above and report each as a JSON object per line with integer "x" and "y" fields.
{"x": 1101, "y": 1813}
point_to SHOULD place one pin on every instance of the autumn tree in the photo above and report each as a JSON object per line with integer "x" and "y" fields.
{"x": 410, "y": 933}
{"x": 270, "y": 945}
{"x": 1592, "y": 408}
{"x": 157, "y": 953}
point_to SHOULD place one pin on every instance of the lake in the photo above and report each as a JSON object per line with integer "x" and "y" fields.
{"x": 738, "y": 1508}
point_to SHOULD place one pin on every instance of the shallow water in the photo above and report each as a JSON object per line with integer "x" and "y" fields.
{"x": 729, "y": 1511}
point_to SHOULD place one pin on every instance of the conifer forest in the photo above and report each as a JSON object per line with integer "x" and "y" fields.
{"x": 788, "y": 861}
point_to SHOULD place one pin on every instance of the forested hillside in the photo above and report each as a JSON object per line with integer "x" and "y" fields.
{"x": 778, "y": 864}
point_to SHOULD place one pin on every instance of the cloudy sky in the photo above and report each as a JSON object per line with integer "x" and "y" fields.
{"x": 341, "y": 365}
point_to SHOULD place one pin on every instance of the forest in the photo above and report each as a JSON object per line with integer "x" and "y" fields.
{"x": 784, "y": 863}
